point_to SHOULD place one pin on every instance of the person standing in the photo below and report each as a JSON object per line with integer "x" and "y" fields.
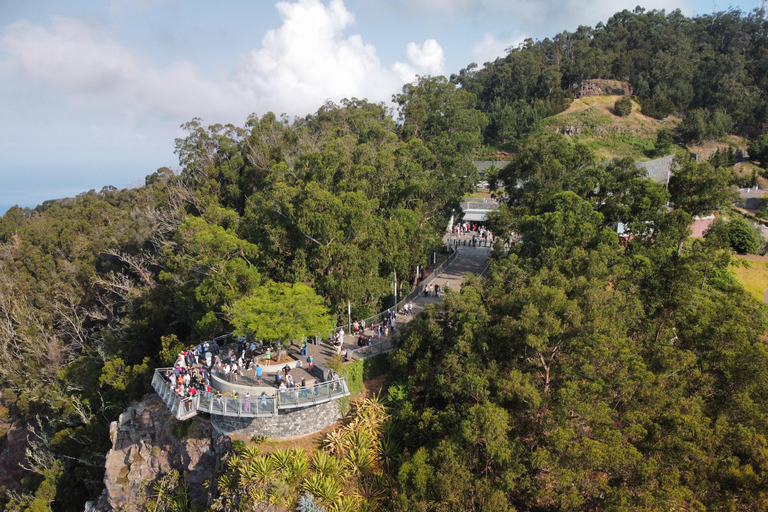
{"x": 309, "y": 363}
{"x": 247, "y": 406}
{"x": 258, "y": 374}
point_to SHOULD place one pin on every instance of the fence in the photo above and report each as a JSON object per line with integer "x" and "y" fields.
{"x": 379, "y": 317}
{"x": 247, "y": 407}
{"x": 386, "y": 345}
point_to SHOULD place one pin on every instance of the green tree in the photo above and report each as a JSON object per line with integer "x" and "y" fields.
{"x": 281, "y": 312}
{"x": 664, "y": 144}
{"x": 623, "y": 106}
{"x": 758, "y": 150}
{"x": 699, "y": 188}
{"x": 743, "y": 238}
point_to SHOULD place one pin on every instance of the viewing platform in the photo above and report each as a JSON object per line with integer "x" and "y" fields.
{"x": 255, "y": 406}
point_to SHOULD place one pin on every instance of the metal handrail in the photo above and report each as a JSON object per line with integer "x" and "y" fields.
{"x": 250, "y": 407}
{"x": 379, "y": 317}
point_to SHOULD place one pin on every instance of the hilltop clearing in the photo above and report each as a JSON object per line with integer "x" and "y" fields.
{"x": 592, "y": 121}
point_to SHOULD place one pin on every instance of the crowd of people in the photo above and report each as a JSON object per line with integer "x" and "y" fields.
{"x": 192, "y": 370}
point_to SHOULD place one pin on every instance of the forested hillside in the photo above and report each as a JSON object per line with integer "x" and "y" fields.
{"x": 97, "y": 290}
{"x": 585, "y": 373}
{"x": 711, "y": 70}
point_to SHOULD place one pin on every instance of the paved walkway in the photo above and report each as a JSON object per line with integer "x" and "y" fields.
{"x": 469, "y": 259}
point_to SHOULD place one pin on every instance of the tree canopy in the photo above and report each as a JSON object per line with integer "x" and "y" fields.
{"x": 281, "y": 312}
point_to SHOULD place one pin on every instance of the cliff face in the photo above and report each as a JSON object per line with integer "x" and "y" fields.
{"x": 147, "y": 442}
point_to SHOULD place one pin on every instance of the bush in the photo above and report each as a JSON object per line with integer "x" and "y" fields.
{"x": 664, "y": 144}
{"x": 743, "y": 237}
{"x": 623, "y": 106}
{"x": 758, "y": 151}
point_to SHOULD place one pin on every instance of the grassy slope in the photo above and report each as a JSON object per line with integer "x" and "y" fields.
{"x": 611, "y": 136}
{"x": 607, "y": 134}
{"x": 754, "y": 276}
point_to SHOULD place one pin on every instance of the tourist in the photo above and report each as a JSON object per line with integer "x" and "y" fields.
{"x": 268, "y": 356}
{"x": 282, "y": 389}
{"x": 317, "y": 386}
{"x": 258, "y": 374}
{"x": 289, "y": 379}
{"x": 303, "y": 387}
{"x": 344, "y": 355}
{"x": 335, "y": 380}
{"x": 247, "y": 406}
{"x": 286, "y": 370}
{"x": 362, "y": 325}
{"x": 309, "y": 363}
{"x": 263, "y": 401}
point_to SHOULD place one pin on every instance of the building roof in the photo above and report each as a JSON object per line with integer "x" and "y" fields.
{"x": 657, "y": 170}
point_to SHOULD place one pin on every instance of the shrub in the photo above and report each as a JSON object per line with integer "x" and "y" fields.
{"x": 743, "y": 237}
{"x": 623, "y": 106}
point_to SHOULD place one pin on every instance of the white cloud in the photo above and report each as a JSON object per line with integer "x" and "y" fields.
{"x": 79, "y": 57}
{"x": 424, "y": 59}
{"x": 307, "y": 60}
{"x": 489, "y": 48}
{"x": 299, "y": 65}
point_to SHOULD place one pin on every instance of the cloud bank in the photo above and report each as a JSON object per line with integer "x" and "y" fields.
{"x": 300, "y": 65}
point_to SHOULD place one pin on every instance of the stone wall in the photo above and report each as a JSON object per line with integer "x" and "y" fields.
{"x": 286, "y": 425}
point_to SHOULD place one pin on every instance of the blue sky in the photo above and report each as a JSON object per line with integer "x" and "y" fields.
{"x": 93, "y": 92}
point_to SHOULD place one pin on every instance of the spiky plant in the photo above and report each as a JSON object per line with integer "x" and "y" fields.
{"x": 298, "y": 466}
{"x": 281, "y": 459}
{"x": 373, "y": 488}
{"x": 335, "y": 443}
{"x": 388, "y": 449}
{"x": 359, "y": 461}
{"x": 346, "y": 504}
{"x": 325, "y": 464}
{"x": 250, "y": 453}
{"x": 263, "y": 469}
{"x": 359, "y": 440}
{"x": 325, "y": 488}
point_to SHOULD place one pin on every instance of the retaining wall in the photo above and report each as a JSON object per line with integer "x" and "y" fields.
{"x": 287, "y": 424}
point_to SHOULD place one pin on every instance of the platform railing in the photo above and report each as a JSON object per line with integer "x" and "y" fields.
{"x": 254, "y": 406}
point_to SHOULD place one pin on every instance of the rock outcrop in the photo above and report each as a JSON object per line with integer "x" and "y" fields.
{"x": 147, "y": 442}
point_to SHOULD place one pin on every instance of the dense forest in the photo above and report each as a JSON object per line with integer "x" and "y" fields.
{"x": 711, "y": 70}
{"x": 586, "y": 372}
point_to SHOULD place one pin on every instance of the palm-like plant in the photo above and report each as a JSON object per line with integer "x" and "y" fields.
{"x": 335, "y": 443}
{"x": 359, "y": 461}
{"x": 281, "y": 459}
{"x": 325, "y": 464}
{"x": 263, "y": 469}
{"x": 298, "y": 466}
{"x": 358, "y": 440}
{"x": 388, "y": 449}
{"x": 345, "y": 504}
{"x": 250, "y": 453}
{"x": 325, "y": 488}
{"x": 373, "y": 488}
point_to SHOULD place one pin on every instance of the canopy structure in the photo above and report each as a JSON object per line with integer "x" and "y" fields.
{"x": 475, "y": 215}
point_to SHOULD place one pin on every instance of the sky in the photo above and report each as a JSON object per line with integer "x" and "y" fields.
{"x": 94, "y": 92}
